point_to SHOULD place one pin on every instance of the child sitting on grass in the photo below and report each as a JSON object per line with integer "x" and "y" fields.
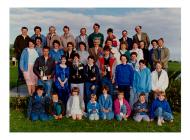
{"x": 36, "y": 107}
{"x": 122, "y": 109}
{"x": 160, "y": 108}
{"x": 75, "y": 105}
{"x": 105, "y": 102}
{"x": 140, "y": 109}
{"x": 93, "y": 108}
{"x": 56, "y": 107}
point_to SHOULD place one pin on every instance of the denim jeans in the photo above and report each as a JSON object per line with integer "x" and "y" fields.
{"x": 106, "y": 116}
{"x": 89, "y": 91}
{"x": 122, "y": 110}
{"x": 47, "y": 86}
{"x": 161, "y": 113}
{"x": 39, "y": 116}
{"x": 139, "y": 117}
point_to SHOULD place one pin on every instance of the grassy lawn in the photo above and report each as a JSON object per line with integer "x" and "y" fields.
{"x": 19, "y": 123}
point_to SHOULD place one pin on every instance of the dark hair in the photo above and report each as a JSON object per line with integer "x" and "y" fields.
{"x": 106, "y": 48}
{"x": 141, "y": 94}
{"x": 56, "y": 41}
{"x": 109, "y": 30}
{"x": 37, "y": 27}
{"x": 108, "y": 40}
{"x": 46, "y": 47}
{"x": 39, "y": 87}
{"x": 67, "y": 27}
{"x": 70, "y": 43}
{"x": 75, "y": 89}
{"x": 76, "y": 55}
{"x": 52, "y": 27}
{"x": 96, "y": 24}
{"x": 120, "y": 92}
{"x": 161, "y": 39}
{"x": 91, "y": 57}
{"x": 124, "y": 31}
{"x": 30, "y": 40}
{"x": 133, "y": 53}
{"x": 24, "y": 28}
{"x": 83, "y": 29}
{"x": 142, "y": 61}
{"x": 38, "y": 38}
{"x": 139, "y": 26}
{"x": 142, "y": 41}
{"x": 82, "y": 43}
{"x": 123, "y": 55}
{"x": 63, "y": 56}
{"x": 54, "y": 93}
{"x": 154, "y": 40}
{"x": 105, "y": 87}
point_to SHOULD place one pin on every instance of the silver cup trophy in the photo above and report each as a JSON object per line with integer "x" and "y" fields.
{"x": 43, "y": 69}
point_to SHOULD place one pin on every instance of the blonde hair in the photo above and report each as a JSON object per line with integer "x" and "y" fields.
{"x": 93, "y": 96}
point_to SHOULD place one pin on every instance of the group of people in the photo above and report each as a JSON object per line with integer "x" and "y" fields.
{"x": 72, "y": 73}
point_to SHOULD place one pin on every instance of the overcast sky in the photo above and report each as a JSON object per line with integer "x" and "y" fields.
{"x": 163, "y": 22}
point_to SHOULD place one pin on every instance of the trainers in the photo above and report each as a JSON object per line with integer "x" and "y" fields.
{"x": 171, "y": 121}
{"x": 159, "y": 122}
{"x": 162, "y": 120}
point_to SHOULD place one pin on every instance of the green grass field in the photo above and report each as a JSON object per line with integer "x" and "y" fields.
{"x": 19, "y": 123}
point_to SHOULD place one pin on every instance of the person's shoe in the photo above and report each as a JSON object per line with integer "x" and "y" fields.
{"x": 162, "y": 120}
{"x": 171, "y": 121}
{"x": 159, "y": 122}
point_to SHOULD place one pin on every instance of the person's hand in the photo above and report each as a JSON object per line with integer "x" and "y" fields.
{"x": 93, "y": 87}
{"x": 93, "y": 79}
{"x": 62, "y": 84}
{"x": 113, "y": 81}
{"x": 116, "y": 87}
{"x": 127, "y": 116}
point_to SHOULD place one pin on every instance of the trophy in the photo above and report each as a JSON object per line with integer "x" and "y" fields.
{"x": 42, "y": 72}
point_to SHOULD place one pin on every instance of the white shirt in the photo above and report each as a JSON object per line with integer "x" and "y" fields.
{"x": 32, "y": 55}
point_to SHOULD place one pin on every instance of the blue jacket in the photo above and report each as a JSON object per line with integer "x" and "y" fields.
{"x": 56, "y": 56}
{"x": 93, "y": 107}
{"x": 142, "y": 81}
{"x": 124, "y": 75}
{"x": 157, "y": 103}
{"x": 24, "y": 60}
{"x": 138, "y": 105}
{"x": 37, "y": 104}
{"x": 105, "y": 103}
{"x": 44, "y": 40}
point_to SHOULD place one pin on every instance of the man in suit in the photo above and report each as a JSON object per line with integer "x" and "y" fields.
{"x": 141, "y": 36}
{"x": 161, "y": 54}
{"x": 126, "y": 39}
{"x": 96, "y": 51}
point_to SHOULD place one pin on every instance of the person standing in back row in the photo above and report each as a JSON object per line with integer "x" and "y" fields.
{"x": 95, "y": 34}
{"x": 141, "y": 36}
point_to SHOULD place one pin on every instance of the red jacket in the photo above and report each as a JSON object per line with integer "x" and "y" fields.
{"x": 117, "y": 107}
{"x": 111, "y": 63}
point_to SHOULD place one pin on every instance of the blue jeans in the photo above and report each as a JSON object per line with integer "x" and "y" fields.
{"x": 122, "y": 110}
{"x": 108, "y": 82}
{"x": 126, "y": 89}
{"x": 47, "y": 86}
{"x": 106, "y": 116}
{"x": 161, "y": 113}
{"x": 39, "y": 116}
{"x": 89, "y": 91}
